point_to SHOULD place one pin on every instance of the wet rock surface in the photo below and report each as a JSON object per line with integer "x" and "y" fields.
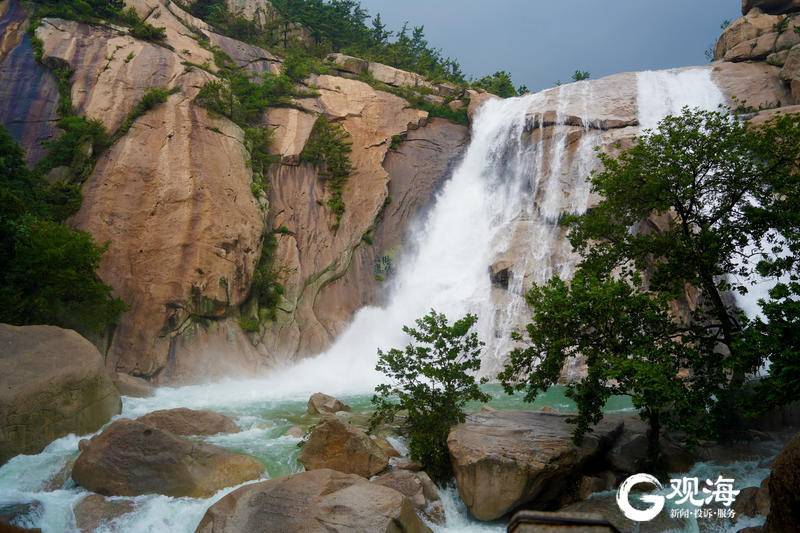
{"x": 320, "y": 501}
{"x": 504, "y": 459}
{"x": 130, "y": 458}
{"x": 337, "y": 445}
{"x": 182, "y": 421}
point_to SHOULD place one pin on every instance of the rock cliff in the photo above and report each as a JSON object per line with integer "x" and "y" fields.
{"x": 172, "y": 196}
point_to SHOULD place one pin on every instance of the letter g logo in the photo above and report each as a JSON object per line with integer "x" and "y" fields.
{"x": 630, "y": 511}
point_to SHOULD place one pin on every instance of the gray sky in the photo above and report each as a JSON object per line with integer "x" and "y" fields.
{"x": 541, "y": 41}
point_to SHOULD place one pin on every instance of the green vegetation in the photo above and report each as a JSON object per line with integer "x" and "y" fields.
{"x": 48, "y": 269}
{"x": 149, "y": 100}
{"x": 718, "y": 188}
{"x": 328, "y": 148}
{"x": 432, "y": 380}
{"x": 499, "y": 84}
{"x": 265, "y": 288}
{"x": 98, "y": 11}
{"x": 306, "y": 31}
{"x": 244, "y": 100}
{"x": 581, "y": 75}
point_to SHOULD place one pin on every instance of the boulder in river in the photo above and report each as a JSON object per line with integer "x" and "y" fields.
{"x": 504, "y": 459}
{"x": 53, "y": 382}
{"x": 419, "y": 488}
{"x": 784, "y": 490}
{"x": 341, "y": 446}
{"x": 132, "y": 386}
{"x": 320, "y": 501}
{"x": 320, "y": 404}
{"x": 130, "y": 458}
{"x": 182, "y": 421}
{"x": 94, "y": 510}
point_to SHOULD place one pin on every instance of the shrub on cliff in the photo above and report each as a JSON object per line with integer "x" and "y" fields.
{"x": 431, "y": 381}
{"x": 328, "y": 148}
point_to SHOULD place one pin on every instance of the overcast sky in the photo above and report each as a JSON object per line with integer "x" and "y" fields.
{"x": 541, "y": 41}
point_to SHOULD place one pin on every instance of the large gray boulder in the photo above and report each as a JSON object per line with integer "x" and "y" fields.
{"x": 130, "y": 458}
{"x": 53, "y": 382}
{"x": 321, "y": 501}
{"x": 504, "y": 459}
{"x": 341, "y": 446}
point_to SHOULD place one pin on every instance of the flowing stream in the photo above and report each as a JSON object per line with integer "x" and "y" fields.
{"x": 518, "y": 176}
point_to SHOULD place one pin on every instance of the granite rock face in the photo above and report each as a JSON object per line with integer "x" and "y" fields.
{"x": 28, "y": 91}
{"x": 52, "y": 383}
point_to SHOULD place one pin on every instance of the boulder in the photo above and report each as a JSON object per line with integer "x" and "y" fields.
{"x": 747, "y": 28}
{"x": 386, "y": 446}
{"x": 396, "y": 77}
{"x": 53, "y": 382}
{"x": 784, "y": 490}
{"x": 130, "y": 458}
{"x": 184, "y": 421}
{"x": 350, "y": 64}
{"x": 340, "y": 446}
{"x": 774, "y": 7}
{"x": 505, "y": 459}
{"x": 95, "y": 510}
{"x": 320, "y": 403}
{"x": 321, "y": 501}
{"x": 132, "y": 386}
{"x": 417, "y": 487}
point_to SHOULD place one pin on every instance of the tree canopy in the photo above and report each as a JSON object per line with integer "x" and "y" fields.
{"x": 431, "y": 381}
{"x": 694, "y": 211}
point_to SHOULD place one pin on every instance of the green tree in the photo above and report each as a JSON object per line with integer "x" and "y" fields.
{"x": 432, "y": 380}
{"x": 775, "y": 336}
{"x": 499, "y": 83}
{"x": 47, "y": 270}
{"x": 631, "y": 345}
{"x": 695, "y": 204}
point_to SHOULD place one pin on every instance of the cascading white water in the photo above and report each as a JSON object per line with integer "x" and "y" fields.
{"x": 505, "y": 197}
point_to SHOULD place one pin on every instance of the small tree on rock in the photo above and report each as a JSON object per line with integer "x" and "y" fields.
{"x": 432, "y": 380}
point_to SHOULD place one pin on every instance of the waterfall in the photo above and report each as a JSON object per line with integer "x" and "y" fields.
{"x": 526, "y": 165}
